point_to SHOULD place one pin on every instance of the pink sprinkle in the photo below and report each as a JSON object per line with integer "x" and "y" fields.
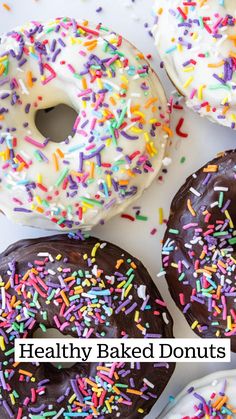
{"x": 190, "y": 225}
{"x": 193, "y": 93}
{"x": 85, "y": 92}
{"x": 160, "y": 302}
{"x": 57, "y": 322}
{"x": 93, "y": 123}
{"x": 77, "y": 121}
{"x": 71, "y": 68}
{"x": 34, "y": 142}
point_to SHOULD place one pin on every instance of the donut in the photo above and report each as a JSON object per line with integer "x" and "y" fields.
{"x": 210, "y": 397}
{"x": 117, "y": 142}
{"x": 199, "y": 249}
{"x": 85, "y": 289}
{"x": 199, "y": 54}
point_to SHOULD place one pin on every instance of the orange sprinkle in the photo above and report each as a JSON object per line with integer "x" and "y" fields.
{"x": 29, "y": 79}
{"x": 150, "y": 102}
{"x": 2, "y": 68}
{"x": 216, "y": 65}
{"x": 60, "y": 153}
{"x": 219, "y": 403}
{"x": 55, "y": 162}
{"x": 23, "y": 372}
{"x": 167, "y": 130}
{"x": 91, "y": 383}
{"x": 190, "y": 208}
{"x": 210, "y": 168}
{"x": 132, "y": 391}
{"x": 39, "y": 209}
{"x": 116, "y": 390}
{"x": 119, "y": 263}
{"x": 112, "y": 100}
{"x": 65, "y": 299}
{"x": 84, "y": 83}
{"x": 123, "y": 182}
{"x": 70, "y": 278}
{"x": 133, "y": 265}
{"x": 6, "y": 6}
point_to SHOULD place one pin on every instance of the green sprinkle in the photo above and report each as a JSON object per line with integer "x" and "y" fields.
{"x": 62, "y": 177}
{"x": 91, "y": 201}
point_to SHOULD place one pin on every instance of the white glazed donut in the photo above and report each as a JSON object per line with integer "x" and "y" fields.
{"x": 199, "y": 53}
{"x": 120, "y": 134}
{"x": 210, "y": 397}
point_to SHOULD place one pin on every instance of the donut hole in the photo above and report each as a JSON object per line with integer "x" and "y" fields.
{"x": 56, "y": 123}
{"x": 54, "y": 334}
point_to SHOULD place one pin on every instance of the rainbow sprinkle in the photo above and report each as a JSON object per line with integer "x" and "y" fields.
{"x": 117, "y": 142}
{"x": 91, "y": 289}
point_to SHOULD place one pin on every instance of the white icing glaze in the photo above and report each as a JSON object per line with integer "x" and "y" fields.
{"x": 202, "y": 32}
{"x": 117, "y": 175}
{"x": 183, "y": 405}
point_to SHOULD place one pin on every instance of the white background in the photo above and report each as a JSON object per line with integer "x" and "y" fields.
{"x": 204, "y": 141}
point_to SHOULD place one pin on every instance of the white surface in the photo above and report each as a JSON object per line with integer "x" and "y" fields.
{"x": 184, "y": 404}
{"x": 205, "y": 141}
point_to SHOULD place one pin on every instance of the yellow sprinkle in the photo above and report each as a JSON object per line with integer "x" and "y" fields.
{"x": 140, "y": 410}
{"x": 108, "y": 406}
{"x": 121, "y": 284}
{"x": 161, "y": 216}
{"x": 200, "y": 91}
{"x": 58, "y": 257}
{"x": 174, "y": 265}
{"x": 39, "y": 178}
{"x": 2, "y": 343}
{"x": 188, "y": 82}
{"x": 195, "y": 36}
{"x": 188, "y": 69}
{"x": 225, "y": 100}
{"x": 231, "y": 224}
{"x": 140, "y": 327}
{"x": 72, "y": 398}
{"x": 12, "y": 399}
{"x": 179, "y": 47}
{"x": 146, "y": 136}
{"x": 38, "y": 199}
{"x": 94, "y": 250}
{"x": 128, "y": 290}
{"x": 194, "y": 325}
{"x": 229, "y": 322}
{"x": 136, "y": 316}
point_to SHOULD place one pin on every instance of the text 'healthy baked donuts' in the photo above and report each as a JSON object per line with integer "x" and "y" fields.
{"x": 85, "y": 289}
{"x": 199, "y": 255}
{"x": 210, "y": 397}
{"x": 119, "y": 137}
{"x": 196, "y": 41}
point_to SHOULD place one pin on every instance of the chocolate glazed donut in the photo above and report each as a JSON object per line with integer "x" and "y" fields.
{"x": 199, "y": 249}
{"x": 84, "y": 288}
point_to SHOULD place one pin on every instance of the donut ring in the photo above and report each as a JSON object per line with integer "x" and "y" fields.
{"x": 199, "y": 53}
{"x": 85, "y": 288}
{"x": 119, "y": 137}
{"x": 199, "y": 394}
{"x": 199, "y": 249}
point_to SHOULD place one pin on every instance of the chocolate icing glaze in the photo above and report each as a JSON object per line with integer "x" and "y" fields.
{"x": 207, "y": 232}
{"x": 14, "y": 264}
